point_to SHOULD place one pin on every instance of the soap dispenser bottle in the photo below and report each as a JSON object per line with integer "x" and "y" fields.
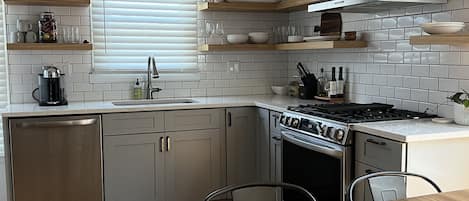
{"x": 138, "y": 90}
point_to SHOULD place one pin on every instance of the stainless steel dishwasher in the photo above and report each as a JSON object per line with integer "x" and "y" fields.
{"x": 56, "y": 159}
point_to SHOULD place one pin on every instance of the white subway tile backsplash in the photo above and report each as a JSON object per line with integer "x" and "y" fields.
{"x": 448, "y": 85}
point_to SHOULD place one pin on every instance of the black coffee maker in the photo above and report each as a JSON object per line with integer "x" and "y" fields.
{"x": 51, "y": 90}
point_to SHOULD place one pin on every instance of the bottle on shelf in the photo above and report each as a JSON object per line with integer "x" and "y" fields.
{"x": 333, "y": 85}
{"x": 322, "y": 82}
{"x": 341, "y": 84}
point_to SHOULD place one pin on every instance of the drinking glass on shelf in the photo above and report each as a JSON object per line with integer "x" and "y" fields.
{"x": 75, "y": 34}
{"x": 66, "y": 33}
{"x": 210, "y": 29}
{"x": 220, "y": 32}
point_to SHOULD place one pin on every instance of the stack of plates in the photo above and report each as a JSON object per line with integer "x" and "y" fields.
{"x": 322, "y": 38}
{"x": 443, "y": 27}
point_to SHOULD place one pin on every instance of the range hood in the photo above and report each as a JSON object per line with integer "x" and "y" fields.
{"x": 367, "y": 6}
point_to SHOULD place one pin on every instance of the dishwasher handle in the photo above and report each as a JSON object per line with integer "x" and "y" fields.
{"x": 52, "y": 124}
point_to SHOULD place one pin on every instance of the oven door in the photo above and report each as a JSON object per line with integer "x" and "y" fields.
{"x": 321, "y": 167}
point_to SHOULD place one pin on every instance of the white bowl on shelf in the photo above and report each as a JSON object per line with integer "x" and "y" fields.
{"x": 259, "y": 37}
{"x": 295, "y": 39}
{"x": 443, "y": 27}
{"x": 237, "y": 38}
{"x": 280, "y": 90}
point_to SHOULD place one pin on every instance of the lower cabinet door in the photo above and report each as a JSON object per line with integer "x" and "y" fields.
{"x": 193, "y": 164}
{"x": 362, "y": 191}
{"x": 276, "y": 157}
{"x": 133, "y": 167}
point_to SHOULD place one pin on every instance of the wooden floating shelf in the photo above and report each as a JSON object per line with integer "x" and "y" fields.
{"x": 286, "y": 5}
{"x": 49, "y": 2}
{"x": 285, "y": 46}
{"x": 443, "y": 39}
{"x": 49, "y": 46}
{"x": 240, "y": 47}
{"x": 322, "y": 45}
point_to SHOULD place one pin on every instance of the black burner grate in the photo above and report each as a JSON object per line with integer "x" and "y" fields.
{"x": 358, "y": 113}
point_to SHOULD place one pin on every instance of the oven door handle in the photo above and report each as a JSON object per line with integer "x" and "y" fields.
{"x": 331, "y": 151}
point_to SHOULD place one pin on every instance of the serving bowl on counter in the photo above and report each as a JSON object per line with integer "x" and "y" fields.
{"x": 280, "y": 90}
{"x": 259, "y": 37}
{"x": 237, "y": 38}
{"x": 443, "y": 27}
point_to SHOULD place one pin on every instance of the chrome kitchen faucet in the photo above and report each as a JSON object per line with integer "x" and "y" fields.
{"x": 152, "y": 73}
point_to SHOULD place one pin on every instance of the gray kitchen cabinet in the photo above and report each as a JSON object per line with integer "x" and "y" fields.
{"x": 132, "y": 123}
{"x": 248, "y": 145}
{"x": 193, "y": 119}
{"x": 380, "y": 152}
{"x": 133, "y": 167}
{"x": 173, "y": 166}
{"x": 193, "y": 164}
{"x": 362, "y": 191}
{"x": 241, "y": 145}
{"x": 275, "y": 148}
{"x": 263, "y": 144}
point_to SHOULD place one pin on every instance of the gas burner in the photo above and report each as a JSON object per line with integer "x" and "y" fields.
{"x": 357, "y": 113}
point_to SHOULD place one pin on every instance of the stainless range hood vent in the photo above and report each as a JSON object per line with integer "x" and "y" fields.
{"x": 367, "y": 6}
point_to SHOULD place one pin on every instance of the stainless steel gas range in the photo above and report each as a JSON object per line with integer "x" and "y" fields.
{"x": 317, "y": 150}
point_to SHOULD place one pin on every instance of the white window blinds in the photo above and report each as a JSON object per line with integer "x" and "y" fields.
{"x": 126, "y": 32}
{"x": 3, "y": 72}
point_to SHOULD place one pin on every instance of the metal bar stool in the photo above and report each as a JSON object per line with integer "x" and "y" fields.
{"x": 241, "y": 192}
{"x": 389, "y": 185}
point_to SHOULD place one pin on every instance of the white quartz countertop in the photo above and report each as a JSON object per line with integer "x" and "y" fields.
{"x": 276, "y": 103}
{"x": 413, "y": 130}
{"x": 403, "y": 131}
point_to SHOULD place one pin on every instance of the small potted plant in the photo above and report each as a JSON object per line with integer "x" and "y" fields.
{"x": 461, "y": 108}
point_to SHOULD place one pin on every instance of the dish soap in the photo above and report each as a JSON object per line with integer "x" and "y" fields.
{"x": 138, "y": 90}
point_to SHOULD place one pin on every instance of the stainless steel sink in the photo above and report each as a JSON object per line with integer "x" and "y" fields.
{"x": 153, "y": 102}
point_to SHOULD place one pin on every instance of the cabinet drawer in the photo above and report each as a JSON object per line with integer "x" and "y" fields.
{"x": 275, "y": 122}
{"x": 132, "y": 123}
{"x": 379, "y": 152}
{"x": 362, "y": 191}
{"x": 193, "y": 119}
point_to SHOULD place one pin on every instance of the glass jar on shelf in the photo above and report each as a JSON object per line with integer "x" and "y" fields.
{"x": 47, "y": 28}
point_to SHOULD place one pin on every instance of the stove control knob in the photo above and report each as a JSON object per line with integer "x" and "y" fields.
{"x": 295, "y": 123}
{"x": 288, "y": 121}
{"x": 282, "y": 119}
{"x": 323, "y": 130}
{"x": 339, "y": 134}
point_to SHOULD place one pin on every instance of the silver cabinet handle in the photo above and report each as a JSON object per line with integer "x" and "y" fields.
{"x": 50, "y": 124}
{"x": 277, "y": 138}
{"x": 161, "y": 144}
{"x": 276, "y": 117}
{"x": 168, "y": 143}
{"x": 376, "y": 142}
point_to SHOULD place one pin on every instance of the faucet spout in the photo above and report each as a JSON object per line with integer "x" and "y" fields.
{"x": 152, "y": 73}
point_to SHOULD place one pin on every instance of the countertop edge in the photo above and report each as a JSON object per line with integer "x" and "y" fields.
{"x": 413, "y": 138}
{"x": 142, "y": 109}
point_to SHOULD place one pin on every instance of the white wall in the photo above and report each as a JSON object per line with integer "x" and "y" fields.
{"x": 258, "y": 70}
{"x": 390, "y": 70}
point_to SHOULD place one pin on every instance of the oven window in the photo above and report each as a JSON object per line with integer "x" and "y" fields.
{"x": 318, "y": 173}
